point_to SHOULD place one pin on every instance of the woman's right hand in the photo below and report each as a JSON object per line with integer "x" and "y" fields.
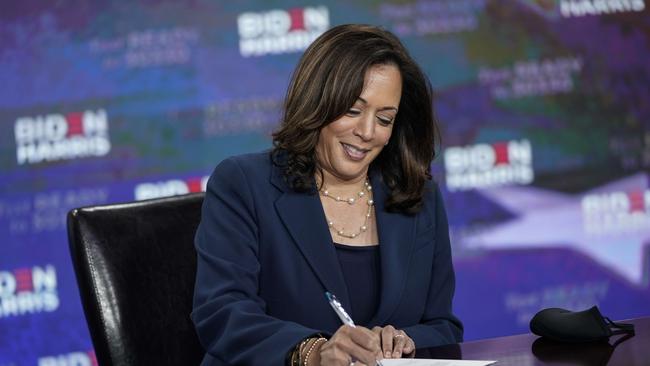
{"x": 348, "y": 344}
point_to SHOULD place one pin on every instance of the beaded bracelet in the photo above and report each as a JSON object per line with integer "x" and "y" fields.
{"x": 297, "y": 351}
{"x": 311, "y": 348}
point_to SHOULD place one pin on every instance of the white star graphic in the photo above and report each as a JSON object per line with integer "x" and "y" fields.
{"x": 551, "y": 219}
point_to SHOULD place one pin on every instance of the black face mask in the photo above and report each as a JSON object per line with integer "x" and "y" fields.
{"x": 576, "y": 326}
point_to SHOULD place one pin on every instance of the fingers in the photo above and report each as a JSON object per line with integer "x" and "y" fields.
{"x": 399, "y": 341}
{"x": 387, "y": 338}
{"x": 364, "y": 337}
{"x": 361, "y": 355}
{"x": 366, "y": 346}
{"x": 409, "y": 348}
{"x": 394, "y": 343}
{"x": 369, "y": 350}
{"x": 351, "y": 343}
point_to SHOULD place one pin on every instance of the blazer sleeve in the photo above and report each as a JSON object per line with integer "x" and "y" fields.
{"x": 228, "y": 314}
{"x": 438, "y": 324}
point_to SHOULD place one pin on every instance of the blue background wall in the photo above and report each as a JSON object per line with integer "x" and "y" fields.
{"x": 544, "y": 106}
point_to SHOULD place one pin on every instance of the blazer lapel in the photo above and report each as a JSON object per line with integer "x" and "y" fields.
{"x": 304, "y": 219}
{"x": 396, "y": 240}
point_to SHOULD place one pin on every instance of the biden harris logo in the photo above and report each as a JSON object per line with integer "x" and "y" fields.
{"x": 616, "y": 212}
{"x": 28, "y": 290}
{"x": 280, "y": 31}
{"x": 170, "y": 187}
{"x": 488, "y": 165}
{"x": 55, "y": 137}
{"x": 581, "y": 8}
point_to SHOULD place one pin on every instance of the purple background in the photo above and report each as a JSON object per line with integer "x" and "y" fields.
{"x": 179, "y": 97}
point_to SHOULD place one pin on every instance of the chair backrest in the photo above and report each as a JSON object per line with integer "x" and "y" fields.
{"x": 135, "y": 265}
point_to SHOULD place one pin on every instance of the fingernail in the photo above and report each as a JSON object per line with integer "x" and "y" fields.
{"x": 387, "y": 354}
{"x": 396, "y": 354}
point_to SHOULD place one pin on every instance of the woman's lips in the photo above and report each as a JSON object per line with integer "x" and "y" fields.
{"x": 353, "y": 152}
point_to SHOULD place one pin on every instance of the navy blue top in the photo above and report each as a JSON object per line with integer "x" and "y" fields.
{"x": 361, "y": 269}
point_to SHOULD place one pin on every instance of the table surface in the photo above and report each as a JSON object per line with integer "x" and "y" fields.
{"x": 529, "y": 349}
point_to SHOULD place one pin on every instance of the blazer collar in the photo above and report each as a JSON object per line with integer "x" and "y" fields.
{"x": 396, "y": 240}
{"x": 304, "y": 218}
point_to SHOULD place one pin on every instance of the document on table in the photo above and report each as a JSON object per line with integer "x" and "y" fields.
{"x": 431, "y": 362}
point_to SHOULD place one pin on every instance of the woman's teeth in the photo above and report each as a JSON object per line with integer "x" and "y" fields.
{"x": 353, "y": 152}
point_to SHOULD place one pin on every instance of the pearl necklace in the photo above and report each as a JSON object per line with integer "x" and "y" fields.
{"x": 351, "y": 201}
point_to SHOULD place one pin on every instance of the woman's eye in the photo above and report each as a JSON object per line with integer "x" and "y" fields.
{"x": 385, "y": 120}
{"x": 353, "y": 112}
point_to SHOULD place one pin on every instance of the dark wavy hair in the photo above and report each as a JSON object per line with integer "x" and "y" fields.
{"x": 327, "y": 82}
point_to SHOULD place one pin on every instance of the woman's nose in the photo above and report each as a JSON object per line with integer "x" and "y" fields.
{"x": 365, "y": 127}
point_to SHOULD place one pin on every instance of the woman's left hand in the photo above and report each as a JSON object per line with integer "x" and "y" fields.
{"x": 395, "y": 343}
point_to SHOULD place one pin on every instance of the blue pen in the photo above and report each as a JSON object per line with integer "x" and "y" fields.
{"x": 338, "y": 309}
{"x": 343, "y": 315}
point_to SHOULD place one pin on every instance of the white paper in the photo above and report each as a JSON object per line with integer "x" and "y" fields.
{"x": 431, "y": 362}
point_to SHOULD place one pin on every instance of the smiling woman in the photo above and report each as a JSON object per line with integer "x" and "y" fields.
{"x": 329, "y": 80}
{"x": 344, "y": 203}
{"x": 348, "y": 145}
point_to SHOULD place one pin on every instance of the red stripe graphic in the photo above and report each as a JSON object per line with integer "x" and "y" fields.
{"x": 501, "y": 153}
{"x": 637, "y": 203}
{"x": 24, "y": 282}
{"x": 297, "y": 19}
{"x": 75, "y": 123}
{"x": 194, "y": 185}
{"x": 93, "y": 358}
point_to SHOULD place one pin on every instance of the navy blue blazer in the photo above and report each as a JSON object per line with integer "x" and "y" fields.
{"x": 266, "y": 258}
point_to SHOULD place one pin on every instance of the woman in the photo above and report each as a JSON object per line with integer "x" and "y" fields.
{"x": 343, "y": 203}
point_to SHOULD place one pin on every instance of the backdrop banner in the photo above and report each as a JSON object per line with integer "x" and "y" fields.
{"x": 545, "y": 159}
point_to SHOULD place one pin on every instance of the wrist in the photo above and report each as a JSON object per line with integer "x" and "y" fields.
{"x": 293, "y": 357}
{"x": 307, "y": 352}
{"x": 311, "y": 356}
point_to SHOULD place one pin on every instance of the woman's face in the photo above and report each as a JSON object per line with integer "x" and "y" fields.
{"x": 347, "y": 146}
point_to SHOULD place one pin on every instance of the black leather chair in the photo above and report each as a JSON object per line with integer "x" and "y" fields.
{"x": 135, "y": 265}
